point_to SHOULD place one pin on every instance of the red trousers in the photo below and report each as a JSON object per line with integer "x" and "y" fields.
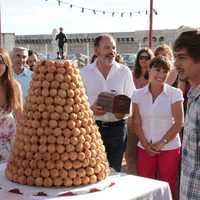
{"x": 163, "y": 165}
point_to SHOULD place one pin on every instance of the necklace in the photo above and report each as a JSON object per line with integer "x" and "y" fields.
{"x": 154, "y": 93}
{"x": 154, "y": 97}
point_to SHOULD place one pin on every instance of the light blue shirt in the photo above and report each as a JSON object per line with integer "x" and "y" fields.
{"x": 24, "y": 79}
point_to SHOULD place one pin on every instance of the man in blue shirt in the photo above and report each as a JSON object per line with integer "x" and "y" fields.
{"x": 19, "y": 56}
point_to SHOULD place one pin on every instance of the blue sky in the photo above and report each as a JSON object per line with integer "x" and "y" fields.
{"x": 42, "y": 16}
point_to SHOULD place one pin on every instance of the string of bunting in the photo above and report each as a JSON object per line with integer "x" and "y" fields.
{"x": 113, "y": 13}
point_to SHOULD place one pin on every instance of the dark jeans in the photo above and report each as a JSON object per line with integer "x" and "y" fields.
{"x": 61, "y": 52}
{"x": 114, "y": 139}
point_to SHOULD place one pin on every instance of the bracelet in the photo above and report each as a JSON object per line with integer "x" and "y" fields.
{"x": 148, "y": 143}
{"x": 165, "y": 140}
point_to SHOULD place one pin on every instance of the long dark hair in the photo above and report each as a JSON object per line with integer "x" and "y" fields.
{"x": 137, "y": 70}
{"x": 7, "y": 80}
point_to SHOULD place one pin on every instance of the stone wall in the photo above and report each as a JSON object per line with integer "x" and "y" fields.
{"x": 127, "y": 42}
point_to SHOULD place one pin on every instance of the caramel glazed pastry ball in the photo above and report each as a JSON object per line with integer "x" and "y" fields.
{"x": 57, "y": 142}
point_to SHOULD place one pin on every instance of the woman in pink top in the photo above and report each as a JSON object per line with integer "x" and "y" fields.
{"x": 157, "y": 120}
{"x": 140, "y": 70}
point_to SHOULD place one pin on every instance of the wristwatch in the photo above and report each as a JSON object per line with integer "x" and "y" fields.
{"x": 165, "y": 140}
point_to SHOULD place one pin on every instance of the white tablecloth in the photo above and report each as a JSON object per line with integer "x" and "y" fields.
{"x": 126, "y": 187}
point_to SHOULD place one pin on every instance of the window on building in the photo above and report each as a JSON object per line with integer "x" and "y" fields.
{"x": 161, "y": 39}
{"x": 154, "y": 39}
{"x": 145, "y": 39}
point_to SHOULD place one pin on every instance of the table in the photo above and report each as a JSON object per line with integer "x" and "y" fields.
{"x": 126, "y": 187}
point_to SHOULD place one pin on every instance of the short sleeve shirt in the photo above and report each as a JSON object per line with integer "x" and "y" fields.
{"x": 157, "y": 116}
{"x": 118, "y": 80}
{"x": 190, "y": 167}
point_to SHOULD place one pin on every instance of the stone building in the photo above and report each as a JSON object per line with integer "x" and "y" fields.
{"x": 8, "y": 40}
{"x": 127, "y": 42}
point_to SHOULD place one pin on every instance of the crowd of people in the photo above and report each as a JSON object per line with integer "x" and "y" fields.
{"x": 164, "y": 86}
{"x": 158, "y": 103}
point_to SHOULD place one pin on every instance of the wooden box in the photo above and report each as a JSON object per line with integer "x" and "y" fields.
{"x": 114, "y": 103}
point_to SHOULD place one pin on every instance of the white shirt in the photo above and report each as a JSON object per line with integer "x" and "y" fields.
{"x": 119, "y": 80}
{"x": 157, "y": 117}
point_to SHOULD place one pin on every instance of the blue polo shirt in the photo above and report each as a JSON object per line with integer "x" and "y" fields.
{"x": 24, "y": 79}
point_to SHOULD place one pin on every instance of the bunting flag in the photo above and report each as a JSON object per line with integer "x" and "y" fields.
{"x": 112, "y": 13}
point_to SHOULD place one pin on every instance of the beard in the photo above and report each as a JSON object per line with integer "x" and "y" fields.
{"x": 106, "y": 59}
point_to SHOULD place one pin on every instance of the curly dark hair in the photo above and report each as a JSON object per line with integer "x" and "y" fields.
{"x": 189, "y": 40}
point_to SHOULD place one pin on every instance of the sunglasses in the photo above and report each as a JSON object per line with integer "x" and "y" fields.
{"x": 144, "y": 58}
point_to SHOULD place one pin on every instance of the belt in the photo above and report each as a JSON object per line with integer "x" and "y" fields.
{"x": 110, "y": 124}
